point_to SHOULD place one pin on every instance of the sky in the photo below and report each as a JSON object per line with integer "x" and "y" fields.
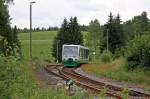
{"x": 52, "y": 12}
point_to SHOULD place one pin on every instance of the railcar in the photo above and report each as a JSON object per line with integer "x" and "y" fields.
{"x": 74, "y": 55}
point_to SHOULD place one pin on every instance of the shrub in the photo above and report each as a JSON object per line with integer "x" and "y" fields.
{"x": 9, "y": 72}
{"x": 138, "y": 53}
{"x": 106, "y": 57}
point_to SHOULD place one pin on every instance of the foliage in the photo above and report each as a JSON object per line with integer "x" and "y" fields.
{"x": 68, "y": 34}
{"x": 117, "y": 72}
{"x": 57, "y": 44}
{"x": 136, "y": 26}
{"x": 9, "y": 44}
{"x": 83, "y": 28}
{"x": 125, "y": 93}
{"x": 16, "y": 82}
{"x": 94, "y": 37}
{"x": 115, "y": 33}
{"x": 138, "y": 53}
{"x": 38, "y": 29}
{"x": 9, "y": 72}
{"x": 16, "y": 44}
{"x": 106, "y": 57}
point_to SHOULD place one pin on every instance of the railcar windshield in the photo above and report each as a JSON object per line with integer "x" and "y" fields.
{"x": 71, "y": 51}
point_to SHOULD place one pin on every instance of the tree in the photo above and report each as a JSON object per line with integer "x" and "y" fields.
{"x": 59, "y": 40}
{"x": 74, "y": 35}
{"x": 4, "y": 26}
{"x": 115, "y": 33}
{"x": 138, "y": 53}
{"x": 94, "y": 36}
{"x": 84, "y": 27}
{"x": 119, "y": 40}
{"x": 9, "y": 39}
{"x": 144, "y": 21}
{"x": 139, "y": 25}
{"x": 16, "y": 44}
{"x": 69, "y": 33}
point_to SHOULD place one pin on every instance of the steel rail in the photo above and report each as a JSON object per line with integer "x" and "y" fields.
{"x": 88, "y": 83}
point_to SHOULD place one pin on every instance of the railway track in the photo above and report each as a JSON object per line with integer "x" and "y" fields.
{"x": 92, "y": 85}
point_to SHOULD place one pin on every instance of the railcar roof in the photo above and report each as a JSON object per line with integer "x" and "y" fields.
{"x": 76, "y": 45}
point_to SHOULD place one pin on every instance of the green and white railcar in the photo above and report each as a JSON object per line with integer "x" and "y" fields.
{"x": 74, "y": 55}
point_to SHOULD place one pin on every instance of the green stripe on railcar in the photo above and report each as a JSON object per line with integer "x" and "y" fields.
{"x": 73, "y": 63}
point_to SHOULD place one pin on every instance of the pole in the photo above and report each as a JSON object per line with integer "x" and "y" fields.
{"x": 95, "y": 46}
{"x": 31, "y": 31}
{"x": 57, "y": 49}
{"x": 107, "y": 41}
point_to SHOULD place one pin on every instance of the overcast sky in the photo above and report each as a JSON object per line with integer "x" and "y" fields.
{"x": 52, "y": 12}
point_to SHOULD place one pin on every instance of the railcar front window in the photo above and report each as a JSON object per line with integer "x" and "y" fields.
{"x": 71, "y": 51}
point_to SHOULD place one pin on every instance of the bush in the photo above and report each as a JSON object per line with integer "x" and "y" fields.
{"x": 9, "y": 72}
{"x": 138, "y": 53}
{"x": 106, "y": 57}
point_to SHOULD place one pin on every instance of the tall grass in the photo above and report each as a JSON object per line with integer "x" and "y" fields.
{"x": 116, "y": 71}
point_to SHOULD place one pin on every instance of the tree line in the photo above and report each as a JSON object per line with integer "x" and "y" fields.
{"x": 51, "y": 28}
{"x": 118, "y": 32}
{"x": 38, "y": 29}
{"x": 113, "y": 36}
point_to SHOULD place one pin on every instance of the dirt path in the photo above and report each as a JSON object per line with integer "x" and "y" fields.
{"x": 36, "y": 77}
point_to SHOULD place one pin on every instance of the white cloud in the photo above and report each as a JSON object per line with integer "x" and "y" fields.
{"x": 52, "y": 12}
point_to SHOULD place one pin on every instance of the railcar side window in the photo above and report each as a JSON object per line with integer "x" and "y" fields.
{"x": 80, "y": 52}
{"x": 86, "y": 53}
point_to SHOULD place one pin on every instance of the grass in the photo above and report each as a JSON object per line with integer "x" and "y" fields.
{"x": 43, "y": 35}
{"x": 117, "y": 72}
{"x": 41, "y": 44}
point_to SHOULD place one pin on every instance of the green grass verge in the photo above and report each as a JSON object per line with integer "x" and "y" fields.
{"x": 116, "y": 71}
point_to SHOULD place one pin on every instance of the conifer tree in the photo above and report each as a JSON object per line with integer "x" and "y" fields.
{"x": 16, "y": 44}
{"x": 119, "y": 37}
{"x": 59, "y": 40}
{"x": 9, "y": 39}
{"x": 69, "y": 33}
{"x": 115, "y": 33}
{"x": 74, "y": 35}
{"x": 144, "y": 22}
